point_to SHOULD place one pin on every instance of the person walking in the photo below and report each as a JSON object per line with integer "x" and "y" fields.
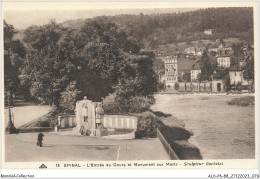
{"x": 40, "y": 138}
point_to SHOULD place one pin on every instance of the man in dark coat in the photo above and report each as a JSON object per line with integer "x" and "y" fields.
{"x": 40, "y": 138}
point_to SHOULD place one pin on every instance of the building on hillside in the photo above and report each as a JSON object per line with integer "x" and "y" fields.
{"x": 236, "y": 77}
{"x": 216, "y": 84}
{"x": 194, "y": 72}
{"x": 190, "y": 50}
{"x": 198, "y": 51}
{"x": 193, "y": 51}
{"x": 221, "y": 49}
{"x": 242, "y": 63}
{"x": 223, "y": 61}
{"x": 208, "y": 31}
{"x": 171, "y": 70}
{"x": 214, "y": 49}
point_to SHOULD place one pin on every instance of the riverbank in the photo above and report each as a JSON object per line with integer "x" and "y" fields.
{"x": 211, "y": 94}
{"x": 175, "y": 133}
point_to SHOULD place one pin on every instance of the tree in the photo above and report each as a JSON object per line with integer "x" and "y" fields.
{"x": 14, "y": 52}
{"x": 69, "y": 97}
{"x": 208, "y": 66}
{"x": 249, "y": 69}
{"x": 48, "y": 65}
{"x": 158, "y": 67}
{"x": 187, "y": 77}
{"x": 99, "y": 58}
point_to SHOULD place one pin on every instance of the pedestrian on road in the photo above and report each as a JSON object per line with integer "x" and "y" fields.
{"x": 40, "y": 138}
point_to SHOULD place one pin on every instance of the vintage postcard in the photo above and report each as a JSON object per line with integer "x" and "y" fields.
{"x": 118, "y": 85}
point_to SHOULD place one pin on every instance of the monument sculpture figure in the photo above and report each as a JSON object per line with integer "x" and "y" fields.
{"x": 85, "y": 109}
{"x": 85, "y": 118}
{"x": 99, "y": 114}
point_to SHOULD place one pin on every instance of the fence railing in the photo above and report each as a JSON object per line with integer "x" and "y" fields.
{"x": 167, "y": 146}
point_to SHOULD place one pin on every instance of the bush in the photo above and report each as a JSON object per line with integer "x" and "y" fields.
{"x": 243, "y": 101}
{"x": 68, "y": 99}
{"x": 147, "y": 125}
{"x": 176, "y": 86}
{"x": 117, "y": 104}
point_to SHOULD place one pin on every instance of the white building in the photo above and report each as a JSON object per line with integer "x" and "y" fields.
{"x": 208, "y": 31}
{"x": 236, "y": 76}
{"x": 223, "y": 61}
{"x": 194, "y": 51}
{"x": 171, "y": 73}
{"x": 190, "y": 50}
{"x": 199, "y": 51}
{"x": 194, "y": 74}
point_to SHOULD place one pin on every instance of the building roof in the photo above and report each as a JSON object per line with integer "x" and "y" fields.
{"x": 235, "y": 68}
{"x": 184, "y": 65}
{"x": 190, "y": 49}
{"x": 223, "y": 56}
{"x": 185, "y": 71}
{"x": 196, "y": 66}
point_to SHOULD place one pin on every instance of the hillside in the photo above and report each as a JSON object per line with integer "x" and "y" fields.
{"x": 162, "y": 29}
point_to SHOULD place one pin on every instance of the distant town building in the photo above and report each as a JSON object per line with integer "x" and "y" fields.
{"x": 194, "y": 72}
{"x": 198, "y": 51}
{"x": 217, "y": 85}
{"x": 216, "y": 49}
{"x": 223, "y": 61}
{"x": 222, "y": 49}
{"x": 190, "y": 50}
{"x": 171, "y": 70}
{"x": 236, "y": 77}
{"x": 193, "y": 51}
{"x": 242, "y": 63}
{"x": 208, "y": 31}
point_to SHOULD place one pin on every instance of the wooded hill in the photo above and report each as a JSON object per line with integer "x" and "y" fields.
{"x": 160, "y": 29}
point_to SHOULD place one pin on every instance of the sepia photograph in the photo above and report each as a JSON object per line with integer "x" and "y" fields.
{"x": 119, "y": 83}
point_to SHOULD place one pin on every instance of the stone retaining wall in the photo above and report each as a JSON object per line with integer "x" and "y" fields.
{"x": 120, "y": 122}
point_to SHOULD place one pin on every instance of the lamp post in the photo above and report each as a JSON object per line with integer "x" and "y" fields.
{"x": 10, "y": 126}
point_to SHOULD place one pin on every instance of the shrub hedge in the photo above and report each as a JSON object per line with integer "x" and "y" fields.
{"x": 243, "y": 101}
{"x": 117, "y": 104}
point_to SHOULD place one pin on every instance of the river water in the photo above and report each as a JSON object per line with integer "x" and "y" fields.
{"x": 221, "y": 131}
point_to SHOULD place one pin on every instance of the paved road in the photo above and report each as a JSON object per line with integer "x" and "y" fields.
{"x": 60, "y": 147}
{"x": 25, "y": 114}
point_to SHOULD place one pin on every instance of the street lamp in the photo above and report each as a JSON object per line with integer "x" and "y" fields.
{"x": 10, "y": 126}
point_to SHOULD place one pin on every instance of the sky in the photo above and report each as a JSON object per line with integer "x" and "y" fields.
{"x": 23, "y": 14}
{"x": 22, "y": 19}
